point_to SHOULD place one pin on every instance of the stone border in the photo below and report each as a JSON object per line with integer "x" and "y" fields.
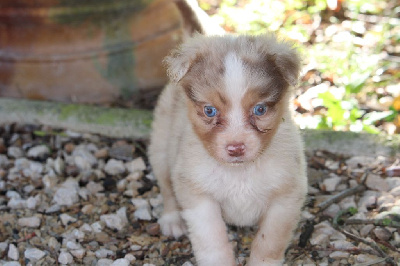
{"x": 133, "y": 123}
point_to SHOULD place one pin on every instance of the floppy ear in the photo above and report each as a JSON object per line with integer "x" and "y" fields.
{"x": 179, "y": 62}
{"x": 288, "y": 62}
{"x": 281, "y": 54}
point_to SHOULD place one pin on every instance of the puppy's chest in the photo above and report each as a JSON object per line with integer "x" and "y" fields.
{"x": 241, "y": 197}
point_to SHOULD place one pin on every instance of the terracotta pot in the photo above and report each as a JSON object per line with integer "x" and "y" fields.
{"x": 93, "y": 51}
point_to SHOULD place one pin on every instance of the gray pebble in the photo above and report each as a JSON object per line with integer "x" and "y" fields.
{"x": 32, "y": 222}
{"x": 13, "y": 252}
{"x": 34, "y": 254}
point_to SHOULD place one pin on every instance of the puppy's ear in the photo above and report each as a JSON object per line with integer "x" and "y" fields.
{"x": 179, "y": 62}
{"x": 288, "y": 63}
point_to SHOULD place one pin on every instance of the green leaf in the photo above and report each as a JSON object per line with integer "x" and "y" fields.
{"x": 352, "y": 210}
{"x": 40, "y": 133}
{"x": 335, "y": 110}
{"x": 371, "y": 129}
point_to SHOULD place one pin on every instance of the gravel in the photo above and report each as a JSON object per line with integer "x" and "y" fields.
{"x": 79, "y": 199}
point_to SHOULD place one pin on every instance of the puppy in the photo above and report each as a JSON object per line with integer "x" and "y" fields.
{"x": 225, "y": 149}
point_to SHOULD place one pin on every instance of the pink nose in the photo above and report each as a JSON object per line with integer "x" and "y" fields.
{"x": 235, "y": 149}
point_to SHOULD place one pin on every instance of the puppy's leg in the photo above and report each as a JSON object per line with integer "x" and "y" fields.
{"x": 275, "y": 231}
{"x": 207, "y": 233}
{"x": 170, "y": 222}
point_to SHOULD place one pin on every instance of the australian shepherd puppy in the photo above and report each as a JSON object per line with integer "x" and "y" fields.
{"x": 224, "y": 147}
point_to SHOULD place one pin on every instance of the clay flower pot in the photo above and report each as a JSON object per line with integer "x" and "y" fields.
{"x": 93, "y": 51}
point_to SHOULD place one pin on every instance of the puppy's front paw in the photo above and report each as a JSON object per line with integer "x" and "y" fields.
{"x": 172, "y": 224}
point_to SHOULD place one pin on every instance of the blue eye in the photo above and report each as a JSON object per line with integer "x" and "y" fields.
{"x": 259, "y": 109}
{"x": 210, "y": 111}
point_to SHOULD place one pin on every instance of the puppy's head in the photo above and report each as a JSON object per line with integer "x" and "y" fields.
{"x": 236, "y": 91}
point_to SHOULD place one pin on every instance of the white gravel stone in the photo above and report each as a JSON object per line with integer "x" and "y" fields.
{"x": 135, "y": 176}
{"x": 11, "y": 194}
{"x": 13, "y": 252}
{"x": 67, "y": 194}
{"x": 339, "y": 255}
{"x": 306, "y": 215}
{"x": 348, "y": 202}
{"x": 78, "y": 253}
{"x": 83, "y": 158}
{"x": 32, "y": 222}
{"x": 15, "y": 152}
{"x": 114, "y": 167}
{"x": 94, "y": 187}
{"x": 130, "y": 257}
{"x": 21, "y": 163}
{"x": 121, "y": 184}
{"x": 12, "y": 263}
{"x": 71, "y": 245}
{"x": 97, "y": 227}
{"x": 395, "y": 192}
{"x": 78, "y": 234}
{"x": 3, "y": 161}
{"x": 135, "y": 247}
{"x": 38, "y": 151}
{"x": 53, "y": 243}
{"x": 115, "y": 221}
{"x": 3, "y": 246}
{"x": 59, "y": 165}
{"x": 65, "y": 258}
{"x": 34, "y": 254}
{"x": 332, "y": 210}
{"x": 393, "y": 182}
{"x": 382, "y": 233}
{"x": 395, "y": 210}
{"x": 187, "y": 263}
{"x": 32, "y": 202}
{"x": 143, "y": 211}
{"x": 86, "y": 228}
{"x": 15, "y": 203}
{"x": 366, "y": 229}
{"x": 66, "y": 219}
{"x": 319, "y": 240}
{"x": 104, "y": 262}
{"x": 136, "y": 165}
{"x": 396, "y": 238}
{"x": 375, "y": 182}
{"x": 325, "y": 229}
{"x": 104, "y": 253}
{"x": 341, "y": 244}
{"x": 330, "y": 184}
{"x": 121, "y": 262}
{"x": 356, "y": 161}
{"x": 368, "y": 200}
{"x": 53, "y": 208}
{"x": 366, "y": 258}
{"x": 386, "y": 200}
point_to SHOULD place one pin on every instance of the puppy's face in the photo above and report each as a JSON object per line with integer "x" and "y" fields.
{"x": 236, "y": 89}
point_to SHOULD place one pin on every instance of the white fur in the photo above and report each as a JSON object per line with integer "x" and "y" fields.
{"x": 208, "y": 232}
{"x": 172, "y": 224}
{"x": 235, "y": 84}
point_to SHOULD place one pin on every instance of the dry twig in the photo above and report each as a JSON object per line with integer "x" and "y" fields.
{"x": 345, "y": 193}
{"x": 372, "y": 244}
